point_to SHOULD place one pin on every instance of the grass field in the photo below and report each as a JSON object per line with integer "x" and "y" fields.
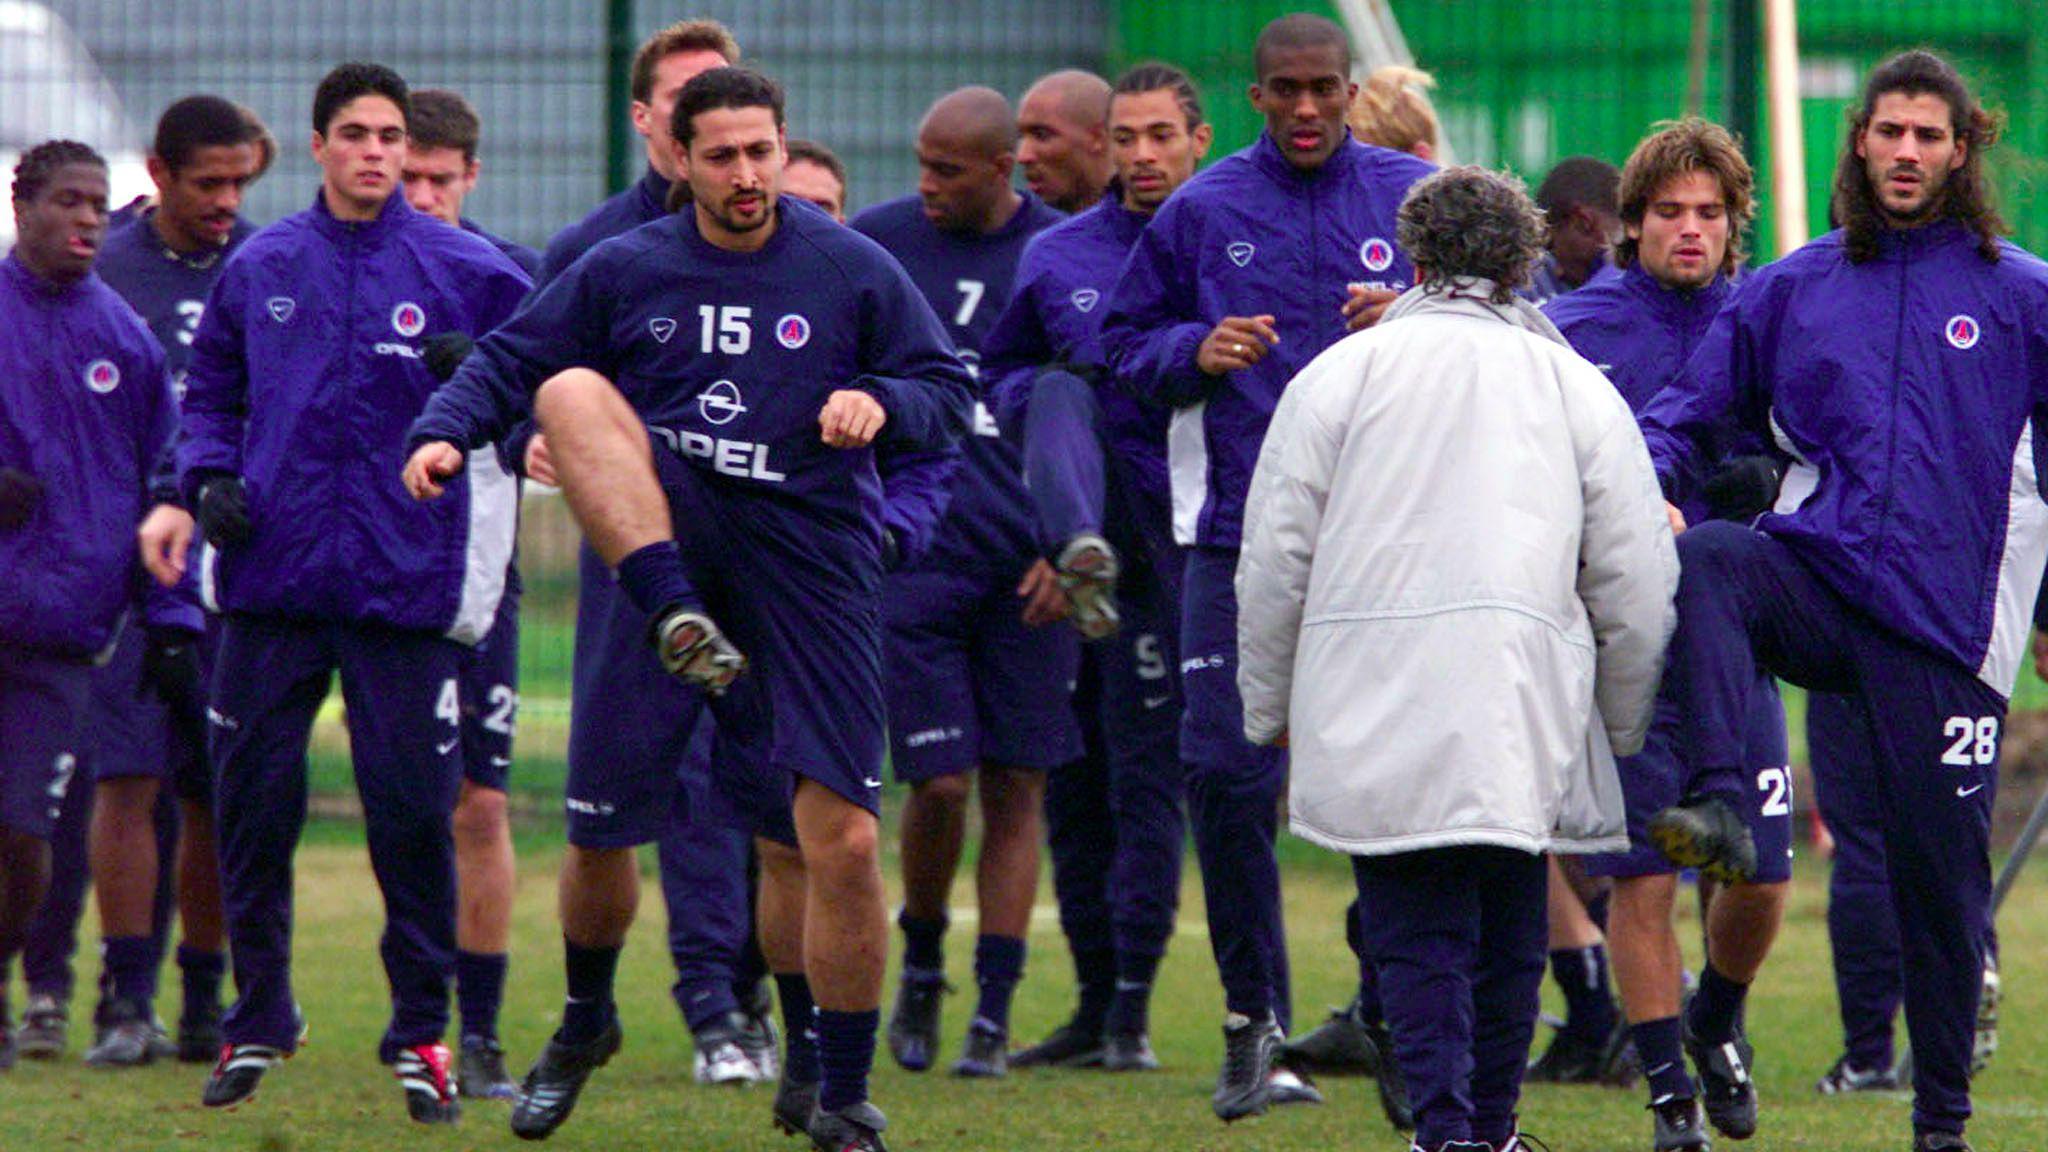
{"x": 334, "y": 1096}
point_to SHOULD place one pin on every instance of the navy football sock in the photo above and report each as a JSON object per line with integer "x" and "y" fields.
{"x": 998, "y": 966}
{"x": 1130, "y": 1013}
{"x": 589, "y": 1008}
{"x": 846, "y": 1053}
{"x": 653, "y": 578}
{"x": 1716, "y": 1007}
{"x": 799, "y": 1027}
{"x": 1581, "y": 974}
{"x": 1095, "y": 972}
{"x": 1663, "y": 1057}
{"x": 923, "y": 941}
{"x": 479, "y": 992}
{"x": 128, "y": 960}
{"x": 201, "y": 972}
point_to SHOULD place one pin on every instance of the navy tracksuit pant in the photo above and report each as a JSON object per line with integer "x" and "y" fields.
{"x": 1458, "y": 937}
{"x": 1114, "y": 819}
{"x": 1746, "y": 602}
{"x": 405, "y": 736}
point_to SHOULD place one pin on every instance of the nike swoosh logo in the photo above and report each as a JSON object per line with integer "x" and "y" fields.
{"x": 1659, "y": 1070}
{"x": 1152, "y": 702}
{"x": 1970, "y": 791}
{"x": 501, "y": 761}
{"x": 447, "y": 746}
{"x": 870, "y": 782}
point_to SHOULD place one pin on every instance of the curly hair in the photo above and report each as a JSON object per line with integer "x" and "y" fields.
{"x": 1679, "y": 148}
{"x": 1966, "y": 196}
{"x": 1470, "y": 222}
{"x": 1393, "y": 111}
{"x": 39, "y": 165}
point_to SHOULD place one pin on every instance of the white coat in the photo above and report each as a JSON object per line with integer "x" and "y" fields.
{"x": 1455, "y": 587}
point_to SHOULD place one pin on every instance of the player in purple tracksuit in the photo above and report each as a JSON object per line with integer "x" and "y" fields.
{"x": 149, "y": 717}
{"x": 1900, "y": 363}
{"x": 978, "y": 688}
{"x": 85, "y": 413}
{"x": 1250, "y": 270}
{"x": 1686, "y": 193}
{"x": 306, "y": 369}
{"x": 441, "y": 169}
{"x": 704, "y": 320}
{"x": 1095, "y": 461}
{"x": 704, "y": 866}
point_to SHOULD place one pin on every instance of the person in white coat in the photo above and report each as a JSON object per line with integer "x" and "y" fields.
{"x": 1455, "y": 592}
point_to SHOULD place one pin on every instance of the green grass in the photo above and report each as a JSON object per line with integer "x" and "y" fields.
{"x": 334, "y": 1096}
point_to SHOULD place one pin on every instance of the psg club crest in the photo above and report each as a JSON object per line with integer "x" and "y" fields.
{"x": 1085, "y": 298}
{"x": 408, "y": 319}
{"x": 1376, "y": 254}
{"x": 662, "y": 327}
{"x": 1240, "y": 253}
{"x": 1963, "y": 332}
{"x": 792, "y": 331}
{"x": 102, "y": 377}
{"x": 280, "y": 308}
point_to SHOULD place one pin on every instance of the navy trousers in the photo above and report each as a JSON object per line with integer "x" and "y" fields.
{"x": 1745, "y": 603}
{"x": 1234, "y": 790}
{"x": 1458, "y": 936}
{"x": 404, "y": 722}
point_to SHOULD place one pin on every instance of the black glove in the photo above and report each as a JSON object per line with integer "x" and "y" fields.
{"x": 224, "y": 511}
{"x": 444, "y": 352}
{"x": 20, "y": 495}
{"x": 170, "y": 668}
{"x": 1743, "y": 488}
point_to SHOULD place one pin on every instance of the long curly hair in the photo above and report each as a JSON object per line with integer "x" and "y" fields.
{"x": 1966, "y": 197}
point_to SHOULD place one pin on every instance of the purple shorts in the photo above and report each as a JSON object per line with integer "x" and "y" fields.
{"x": 970, "y": 683}
{"x": 490, "y": 698}
{"x": 42, "y": 709}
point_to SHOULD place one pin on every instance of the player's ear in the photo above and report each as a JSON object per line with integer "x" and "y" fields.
{"x": 1204, "y": 135}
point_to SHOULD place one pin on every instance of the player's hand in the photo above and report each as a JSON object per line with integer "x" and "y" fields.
{"x": 1364, "y": 307}
{"x": 1236, "y": 342}
{"x": 1676, "y": 517}
{"x": 1045, "y": 601}
{"x": 432, "y": 464}
{"x": 850, "y": 419}
{"x": 170, "y": 668}
{"x": 20, "y": 495}
{"x": 1743, "y": 488}
{"x": 540, "y": 464}
{"x": 165, "y": 537}
{"x": 224, "y": 511}
{"x": 2041, "y": 655}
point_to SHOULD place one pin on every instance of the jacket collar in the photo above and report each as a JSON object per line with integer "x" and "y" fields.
{"x": 1921, "y": 241}
{"x": 31, "y": 284}
{"x": 1473, "y": 296}
{"x": 1647, "y": 288}
{"x": 391, "y": 217}
{"x": 652, "y": 192}
{"x": 1267, "y": 158}
{"x": 1122, "y": 223}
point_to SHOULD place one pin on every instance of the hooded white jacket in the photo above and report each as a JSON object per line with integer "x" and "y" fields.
{"x": 1456, "y": 585}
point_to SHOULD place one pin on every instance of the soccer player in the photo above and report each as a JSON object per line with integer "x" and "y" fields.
{"x": 1063, "y": 139}
{"x": 305, "y": 371}
{"x": 440, "y": 172}
{"x": 1578, "y": 199}
{"x": 85, "y": 412}
{"x": 978, "y": 688}
{"x": 1251, "y": 269}
{"x": 1686, "y": 195}
{"x": 1898, "y": 362}
{"x": 815, "y": 173}
{"x": 1452, "y": 507}
{"x": 149, "y": 706}
{"x": 707, "y": 323}
{"x": 1096, "y": 463}
{"x": 625, "y": 709}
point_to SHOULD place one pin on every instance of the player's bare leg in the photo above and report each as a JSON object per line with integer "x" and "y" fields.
{"x": 599, "y": 894}
{"x": 934, "y": 834}
{"x": 484, "y": 870}
{"x": 846, "y": 937}
{"x": 1006, "y": 883}
{"x": 123, "y": 849}
{"x": 779, "y": 917}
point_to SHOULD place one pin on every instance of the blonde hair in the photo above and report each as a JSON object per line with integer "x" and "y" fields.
{"x": 1393, "y": 111}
